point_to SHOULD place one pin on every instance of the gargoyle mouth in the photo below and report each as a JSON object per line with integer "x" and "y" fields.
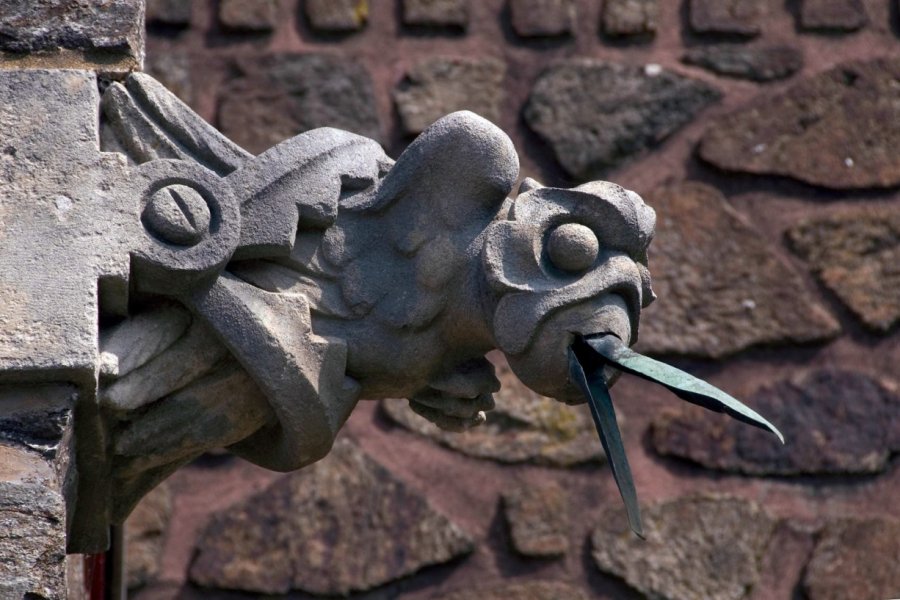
{"x": 591, "y": 355}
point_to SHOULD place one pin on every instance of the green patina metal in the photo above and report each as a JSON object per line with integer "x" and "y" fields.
{"x": 590, "y": 355}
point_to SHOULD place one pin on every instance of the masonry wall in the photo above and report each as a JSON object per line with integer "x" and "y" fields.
{"x": 764, "y": 133}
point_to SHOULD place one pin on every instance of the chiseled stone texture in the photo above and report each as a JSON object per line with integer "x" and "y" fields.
{"x": 538, "y": 519}
{"x": 837, "y": 129}
{"x": 529, "y": 590}
{"x": 834, "y": 422}
{"x": 835, "y": 15}
{"x": 630, "y": 17}
{"x": 344, "y": 524}
{"x": 739, "y": 17}
{"x": 144, "y": 532}
{"x": 337, "y": 15}
{"x": 248, "y": 15}
{"x": 117, "y": 26}
{"x": 595, "y": 115}
{"x": 855, "y": 558}
{"x": 855, "y": 253}
{"x": 757, "y": 63}
{"x": 436, "y": 13}
{"x": 169, "y": 12}
{"x": 703, "y": 244}
{"x": 695, "y": 547}
{"x": 522, "y": 427}
{"x": 439, "y": 86}
{"x": 537, "y": 18}
{"x": 278, "y": 96}
{"x": 32, "y": 527}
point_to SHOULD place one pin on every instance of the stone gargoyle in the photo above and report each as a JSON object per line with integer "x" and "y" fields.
{"x": 265, "y": 295}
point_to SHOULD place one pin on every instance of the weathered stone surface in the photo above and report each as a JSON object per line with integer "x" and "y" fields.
{"x": 278, "y": 96}
{"x": 49, "y": 25}
{"x": 49, "y": 122}
{"x": 835, "y": 422}
{"x": 855, "y": 558}
{"x": 436, "y": 13}
{"x": 757, "y": 63}
{"x": 337, "y": 15}
{"x": 248, "y": 15}
{"x": 439, "y": 86}
{"x": 523, "y": 427}
{"x": 342, "y": 525}
{"x": 835, "y": 15}
{"x": 169, "y": 12}
{"x": 539, "y": 18}
{"x": 702, "y": 243}
{"x": 739, "y": 17}
{"x": 695, "y": 547}
{"x": 855, "y": 254}
{"x": 32, "y": 527}
{"x": 630, "y": 17}
{"x": 538, "y": 519}
{"x": 144, "y": 536}
{"x": 595, "y": 115}
{"x": 531, "y": 590}
{"x": 836, "y": 129}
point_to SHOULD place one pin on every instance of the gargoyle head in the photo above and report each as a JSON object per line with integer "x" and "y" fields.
{"x": 567, "y": 262}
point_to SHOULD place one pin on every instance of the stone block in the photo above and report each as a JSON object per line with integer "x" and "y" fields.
{"x": 344, "y": 524}
{"x": 436, "y": 13}
{"x": 757, "y": 63}
{"x": 630, "y": 17}
{"x": 838, "y": 422}
{"x": 595, "y": 115}
{"x": 36, "y": 491}
{"x": 751, "y": 280}
{"x": 439, "y": 86}
{"x": 855, "y": 558}
{"x": 538, "y": 519}
{"x": 278, "y": 96}
{"x": 337, "y": 15}
{"x": 854, "y": 253}
{"x": 836, "y": 129}
{"x": 169, "y": 12}
{"x": 832, "y": 15}
{"x": 248, "y": 15}
{"x": 737, "y": 17}
{"x": 542, "y": 18}
{"x": 695, "y": 547}
{"x": 108, "y": 36}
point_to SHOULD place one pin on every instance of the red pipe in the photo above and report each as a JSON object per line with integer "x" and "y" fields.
{"x": 95, "y": 576}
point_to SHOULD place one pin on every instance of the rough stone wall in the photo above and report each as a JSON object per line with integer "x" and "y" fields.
{"x": 764, "y": 133}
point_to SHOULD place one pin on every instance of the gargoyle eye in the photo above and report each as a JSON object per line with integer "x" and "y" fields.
{"x": 573, "y": 247}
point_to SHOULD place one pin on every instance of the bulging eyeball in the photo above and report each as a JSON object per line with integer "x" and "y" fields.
{"x": 573, "y": 247}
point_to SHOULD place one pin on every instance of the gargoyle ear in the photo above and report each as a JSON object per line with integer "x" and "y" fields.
{"x": 460, "y": 164}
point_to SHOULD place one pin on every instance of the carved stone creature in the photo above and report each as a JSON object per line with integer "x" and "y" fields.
{"x": 175, "y": 294}
{"x": 321, "y": 272}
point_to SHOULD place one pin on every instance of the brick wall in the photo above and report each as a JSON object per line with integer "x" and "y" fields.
{"x": 763, "y": 132}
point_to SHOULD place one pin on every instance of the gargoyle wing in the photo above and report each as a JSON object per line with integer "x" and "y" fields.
{"x": 257, "y": 205}
{"x": 422, "y": 221}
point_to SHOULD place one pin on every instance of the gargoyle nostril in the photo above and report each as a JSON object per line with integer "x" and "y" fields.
{"x": 573, "y": 247}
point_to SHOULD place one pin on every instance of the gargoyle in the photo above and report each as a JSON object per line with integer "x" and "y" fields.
{"x": 272, "y": 292}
